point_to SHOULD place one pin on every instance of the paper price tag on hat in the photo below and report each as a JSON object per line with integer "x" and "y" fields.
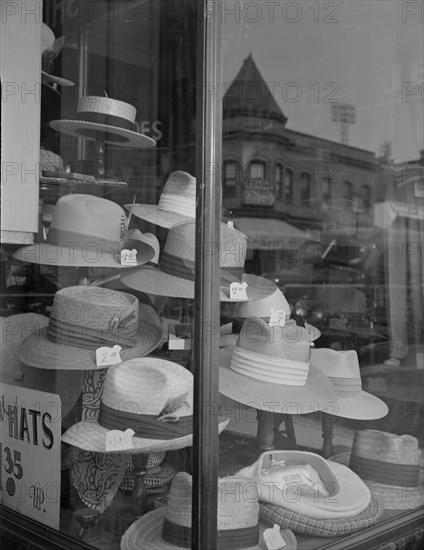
{"x": 238, "y": 291}
{"x": 119, "y": 441}
{"x": 129, "y": 257}
{"x": 108, "y": 356}
{"x": 277, "y": 318}
{"x": 273, "y": 538}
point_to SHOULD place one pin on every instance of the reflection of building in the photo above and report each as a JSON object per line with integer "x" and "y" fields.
{"x": 270, "y": 171}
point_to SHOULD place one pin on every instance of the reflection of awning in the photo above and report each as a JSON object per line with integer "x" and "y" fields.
{"x": 268, "y": 233}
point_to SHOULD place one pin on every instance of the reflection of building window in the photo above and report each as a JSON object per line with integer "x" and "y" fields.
{"x": 278, "y": 180}
{"x": 347, "y": 190}
{"x": 366, "y": 197}
{"x": 230, "y": 179}
{"x": 327, "y": 189}
{"x": 305, "y": 188}
{"x": 288, "y": 186}
{"x": 256, "y": 170}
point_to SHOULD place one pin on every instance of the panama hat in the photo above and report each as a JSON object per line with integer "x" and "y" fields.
{"x": 177, "y": 202}
{"x": 326, "y": 491}
{"x": 85, "y": 318}
{"x": 109, "y": 118}
{"x": 88, "y": 231}
{"x": 334, "y": 527}
{"x": 390, "y": 465}
{"x": 151, "y": 396}
{"x": 269, "y": 369}
{"x": 50, "y": 49}
{"x": 237, "y": 522}
{"x": 175, "y": 273}
{"x": 342, "y": 368}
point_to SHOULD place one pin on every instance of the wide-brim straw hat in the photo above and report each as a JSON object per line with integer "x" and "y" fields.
{"x": 177, "y": 202}
{"x": 269, "y": 369}
{"x": 89, "y": 307}
{"x": 342, "y": 368}
{"x": 381, "y": 458}
{"x": 335, "y": 527}
{"x": 238, "y": 518}
{"x": 110, "y": 119}
{"x": 88, "y": 231}
{"x": 144, "y": 385}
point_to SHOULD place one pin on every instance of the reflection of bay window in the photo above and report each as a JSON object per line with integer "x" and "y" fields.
{"x": 327, "y": 189}
{"x": 347, "y": 190}
{"x": 366, "y": 197}
{"x": 288, "y": 186}
{"x": 305, "y": 188}
{"x": 278, "y": 183}
{"x": 230, "y": 179}
{"x": 256, "y": 170}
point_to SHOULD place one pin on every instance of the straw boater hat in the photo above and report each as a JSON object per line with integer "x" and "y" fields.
{"x": 343, "y": 494}
{"x": 269, "y": 370}
{"x": 175, "y": 273}
{"x": 85, "y": 318}
{"x": 237, "y": 523}
{"x": 111, "y": 119}
{"x": 342, "y": 368}
{"x": 151, "y": 396}
{"x": 88, "y": 231}
{"x": 390, "y": 465}
{"x": 177, "y": 202}
{"x": 50, "y": 49}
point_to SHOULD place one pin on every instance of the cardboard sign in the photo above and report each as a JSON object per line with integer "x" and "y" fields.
{"x": 30, "y": 453}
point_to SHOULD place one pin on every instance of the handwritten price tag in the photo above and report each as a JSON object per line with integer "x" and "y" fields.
{"x": 238, "y": 291}
{"x": 108, "y": 356}
{"x": 230, "y": 224}
{"x": 277, "y": 318}
{"x": 273, "y": 538}
{"x": 129, "y": 257}
{"x": 119, "y": 441}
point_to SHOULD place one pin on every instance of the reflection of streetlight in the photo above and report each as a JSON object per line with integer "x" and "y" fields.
{"x": 343, "y": 114}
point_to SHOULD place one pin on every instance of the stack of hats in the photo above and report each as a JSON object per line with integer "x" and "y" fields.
{"x": 238, "y": 525}
{"x": 304, "y": 492}
{"x": 390, "y": 465}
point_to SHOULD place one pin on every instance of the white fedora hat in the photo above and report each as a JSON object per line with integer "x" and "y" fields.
{"x": 342, "y": 368}
{"x": 269, "y": 369}
{"x": 175, "y": 273}
{"x": 112, "y": 119}
{"x": 88, "y": 231}
{"x": 151, "y": 396}
{"x": 177, "y": 202}
{"x": 237, "y": 523}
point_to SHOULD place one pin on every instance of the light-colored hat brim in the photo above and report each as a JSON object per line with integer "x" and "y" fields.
{"x": 154, "y": 281}
{"x": 153, "y": 214}
{"x": 59, "y": 256}
{"x": 392, "y": 497}
{"x": 363, "y": 406}
{"x": 145, "y": 533}
{"x": 46, "y": 77}
{"x": 90, "y": 436}
{"x": 88, "y": 130}
{"x": 319, "y": 393}
{"x": 38, "y": 351}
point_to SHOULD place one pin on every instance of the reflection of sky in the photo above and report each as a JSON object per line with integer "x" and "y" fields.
{"x": 366, "y": 56}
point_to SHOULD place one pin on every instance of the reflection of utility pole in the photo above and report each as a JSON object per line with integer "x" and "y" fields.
{"x": 343, "y": 114}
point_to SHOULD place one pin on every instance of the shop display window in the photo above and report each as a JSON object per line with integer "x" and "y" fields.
{"x": 212, "y": 275}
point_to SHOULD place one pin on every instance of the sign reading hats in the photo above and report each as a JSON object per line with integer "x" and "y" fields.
{"x": 269, "y": 369}
{"x": 84, "y": 318}
{"x": 237, "y": 522}
{"x": 342, "y": 368}
{"x": 390, "y": 465}
{"x": 175, "y": 273}
{"x": 151, "y": 396}
{"x": 111, "y": 119}
{"x": 177, "y": 202}
{"x": 88, "y": 231}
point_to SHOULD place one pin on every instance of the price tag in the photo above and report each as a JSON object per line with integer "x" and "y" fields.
{"x": 419, "y": 189}
{"x": 119, "y": 441}
{"x": 129, "y": 257}
{"x": 238, "y": 291}
{"x": 278, "y": 318}
{"x": 273, "y": 538}
{"x": 108, "y": 356}
{"x": 230, "y": 224}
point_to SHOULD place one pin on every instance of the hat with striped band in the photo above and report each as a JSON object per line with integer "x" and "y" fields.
{"x": 151, "y": 396}
{"x": 88, "y": 231}
{"x": 269, "y": 369}
{"x": 390, "y": 465}
{"x": 237, "y": 519}
{"x": 177, "y": 202}
{"x": 175, "y": 273}
{"x": 85, "y": 318}
{"x": 342, "y": 368}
